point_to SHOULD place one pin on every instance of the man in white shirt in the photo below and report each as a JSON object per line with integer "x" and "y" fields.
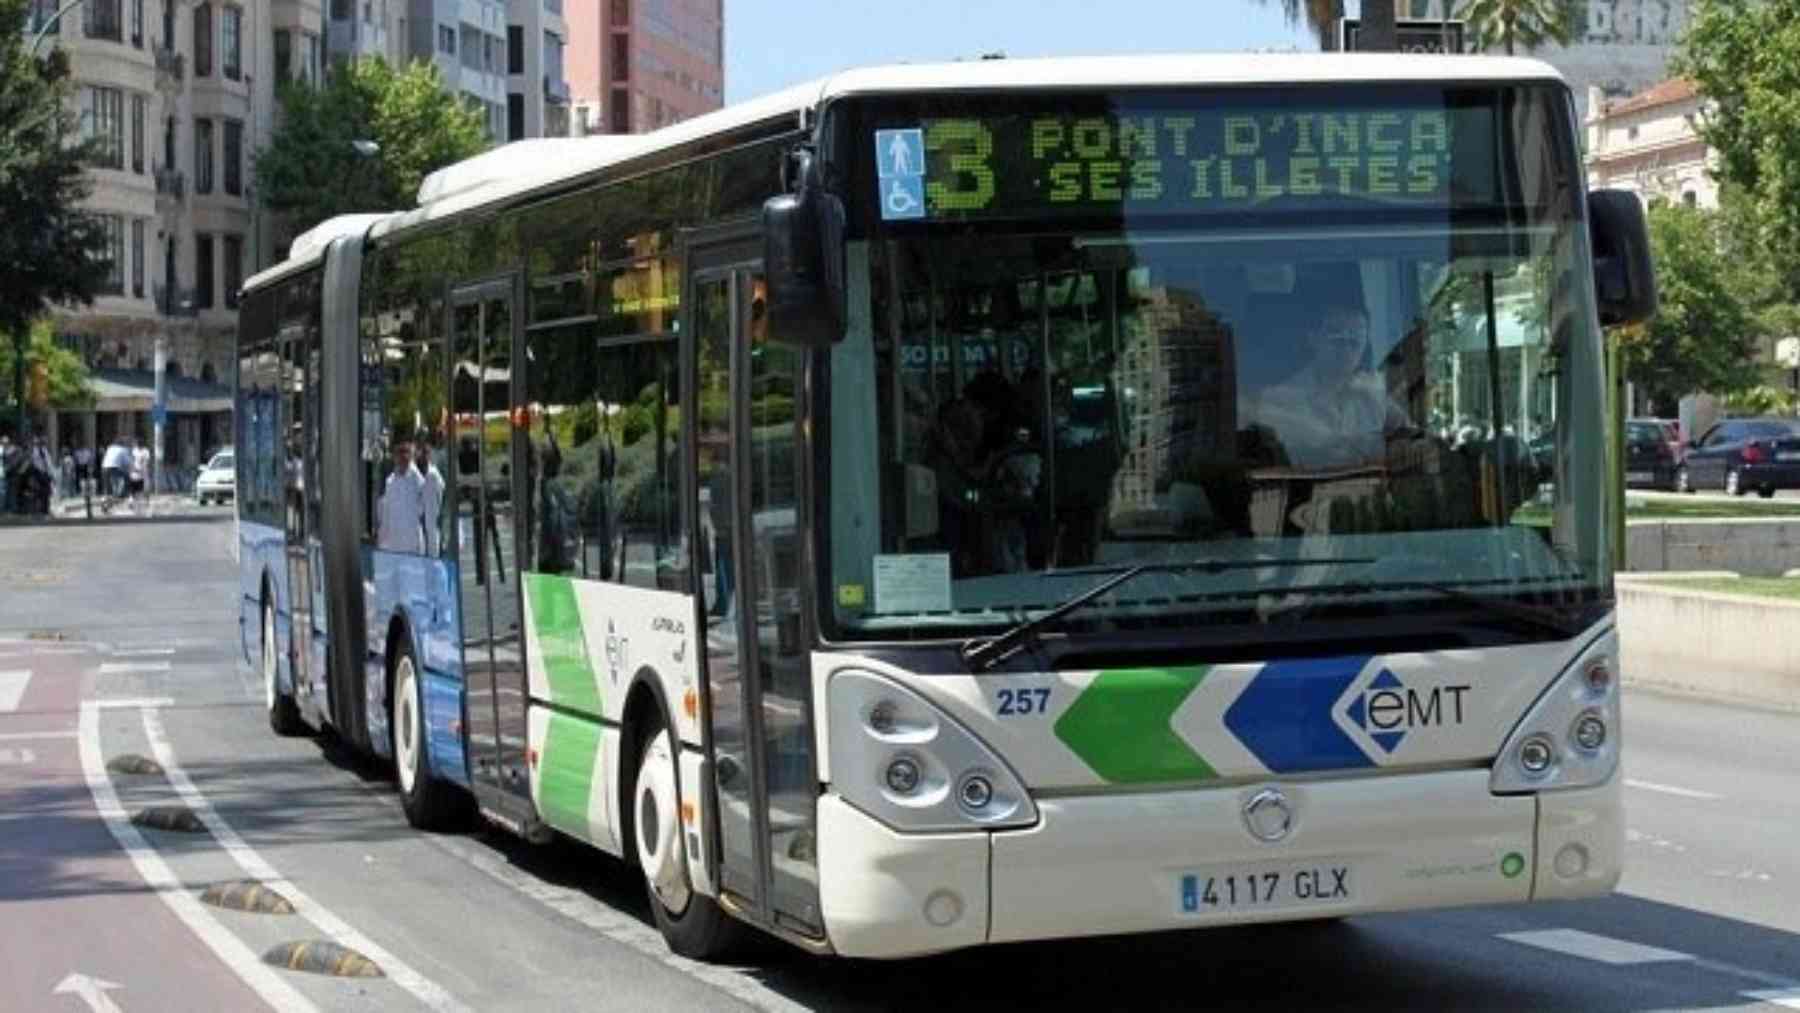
{"x": 402, "y": 516}
{"x": 114, "y": 467}
{"x": 434, "y": 493}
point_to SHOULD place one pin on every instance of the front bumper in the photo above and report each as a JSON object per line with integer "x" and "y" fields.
{"x": 1782, "y": 475}
{"x": 1107, "y": 864}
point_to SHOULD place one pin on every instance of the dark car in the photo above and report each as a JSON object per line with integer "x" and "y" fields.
{"x": 1738, "y": 455}
{"x": 1652, "y": 455}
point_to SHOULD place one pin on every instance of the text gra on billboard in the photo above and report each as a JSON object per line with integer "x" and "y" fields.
{"x": 1210, "y": 159}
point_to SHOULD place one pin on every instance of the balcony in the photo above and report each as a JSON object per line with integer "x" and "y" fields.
{"x": 176, "y": 301}
{"x": 556, "y": 90}
{"x": 171, "y": 184}
{"x": 171, "y": 66}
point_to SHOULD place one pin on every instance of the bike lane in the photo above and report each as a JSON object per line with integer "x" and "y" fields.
{"x": 81, "y": 927}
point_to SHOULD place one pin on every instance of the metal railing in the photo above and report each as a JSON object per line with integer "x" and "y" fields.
{"x": 556, "y": 90}
{"x": 170, "y": 63}
{"x": 171, "y": 183}
{"x": 175, "y": 301}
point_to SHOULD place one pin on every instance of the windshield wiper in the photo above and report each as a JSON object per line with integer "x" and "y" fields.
{"x": 983, "y": 654}
{"x": 1534, "y": 615}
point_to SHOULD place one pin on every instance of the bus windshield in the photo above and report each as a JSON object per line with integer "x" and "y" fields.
{"x": 1339, "y": 377}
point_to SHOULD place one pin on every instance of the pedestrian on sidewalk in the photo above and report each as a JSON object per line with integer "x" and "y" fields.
{"x": 114, "y": 469}
{"x": 140, "y": 471}
{"x": 6, "y": 489}
{"x": 65, "y": 477}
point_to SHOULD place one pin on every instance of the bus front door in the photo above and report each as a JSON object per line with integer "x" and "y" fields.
{"x": 483, "y": 331}
{"x": 758, "y": 668}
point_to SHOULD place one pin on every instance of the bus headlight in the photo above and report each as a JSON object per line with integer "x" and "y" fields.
{"x": 902, "y": 760}
{"x": 1569, "y": 738}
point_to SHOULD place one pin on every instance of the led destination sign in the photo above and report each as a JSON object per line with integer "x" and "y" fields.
{"x": 1183, "y": 162}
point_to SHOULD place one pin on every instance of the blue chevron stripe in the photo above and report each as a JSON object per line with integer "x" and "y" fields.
{"x": 1285, "y": 718}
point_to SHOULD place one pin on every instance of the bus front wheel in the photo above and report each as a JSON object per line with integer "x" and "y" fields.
{"x": 691, "y": 923}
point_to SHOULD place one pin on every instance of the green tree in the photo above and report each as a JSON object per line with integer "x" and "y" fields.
{"x": 1320, "y": 16}
{"x": 1745, "y": 59}
{"x": 1704, "y": 334}
{"x": 67, "y": 374}
{"x": 48, "y": 245}
{"x": 312, "y": 168}
{"x": 1528, "y": 23}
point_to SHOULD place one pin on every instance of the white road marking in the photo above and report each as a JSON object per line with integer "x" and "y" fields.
{"x": 623, "y": 929}
{"x": 34, "y": 736}
{"x": 1786, "y": 998}
{"x": 1587, "y": 945}
{"x": 143, "y": 652}
{"x": 20, "y": 757}
{"x": 91, "y": 991}
{"x": 1669, "y": 789}
{"x": 341, "y": 932}
{"x": 130, "y": 667}
{"x": 260, "y": 977}
{"x": 132, "y": 702}
{"x": 12, "y": 689}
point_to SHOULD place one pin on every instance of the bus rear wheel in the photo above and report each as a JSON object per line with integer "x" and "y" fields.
{"x": 284, "y": 714}
{"x": 429, "y": 803}
{"x": 691, "y": 923}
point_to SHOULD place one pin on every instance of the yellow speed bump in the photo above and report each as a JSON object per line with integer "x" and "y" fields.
{"x": 322, "y": 957}
{"x": 169, "y": 817}
{"x": 132, "y": 763}
{"x": 247, "y": 895}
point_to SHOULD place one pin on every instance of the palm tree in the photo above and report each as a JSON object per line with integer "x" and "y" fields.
{"x": 1527, "y": 23}
{"x": 1320, "y": 15}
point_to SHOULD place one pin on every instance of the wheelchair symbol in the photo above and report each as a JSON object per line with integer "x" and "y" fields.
{"x": 904, "y": 199}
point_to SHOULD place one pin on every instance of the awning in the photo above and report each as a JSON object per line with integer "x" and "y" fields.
{"x": 134, "y": 390}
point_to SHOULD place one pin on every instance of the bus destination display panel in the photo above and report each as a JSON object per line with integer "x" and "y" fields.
{"x": 1185, "y": 161}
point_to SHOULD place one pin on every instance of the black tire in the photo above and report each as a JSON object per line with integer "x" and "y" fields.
{"x": 284, "y": 714}
{"x": 1766, "y": 491}
{"x": 701, "y": 930}
{"x": 429, "y": 804}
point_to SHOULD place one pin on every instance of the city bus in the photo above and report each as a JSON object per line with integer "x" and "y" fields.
{"x": 961, "y": 504}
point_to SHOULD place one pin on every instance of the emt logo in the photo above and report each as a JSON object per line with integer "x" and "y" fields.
{"x": 1386, "y": 709}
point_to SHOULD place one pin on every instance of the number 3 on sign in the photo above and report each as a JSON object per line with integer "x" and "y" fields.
{"x": 1020, "y": 702}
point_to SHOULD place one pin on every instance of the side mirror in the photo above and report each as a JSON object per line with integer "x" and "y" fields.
{"x": 803, "y": 263}
{"x": 1624, "y": 278}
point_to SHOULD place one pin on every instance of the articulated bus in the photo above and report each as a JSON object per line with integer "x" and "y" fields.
{"x": 947, "y": 505}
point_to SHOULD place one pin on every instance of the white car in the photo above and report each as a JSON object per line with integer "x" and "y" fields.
{"x": 218, "y": 480}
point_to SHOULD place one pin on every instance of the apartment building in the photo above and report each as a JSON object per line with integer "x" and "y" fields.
{"x": 636, "y": 65}
{"x": 1648, "y": 144}
{"x": 180, "y": 94}
{"x": 467, "y": 40}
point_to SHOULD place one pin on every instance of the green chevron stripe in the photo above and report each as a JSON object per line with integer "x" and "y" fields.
{"x": 566, "y": 773}
{"x": 1120, "y": 726}
{"x": 556, "y": 620}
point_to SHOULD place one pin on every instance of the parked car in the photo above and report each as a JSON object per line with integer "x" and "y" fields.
{"x": 1739, "y": 455}
{"x": 218, "y": 480}
{"x": 1652, "y": 455}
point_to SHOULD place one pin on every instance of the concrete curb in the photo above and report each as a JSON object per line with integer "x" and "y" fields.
{"x": 83, "y": 522}
{"x": 1726, "y": 647}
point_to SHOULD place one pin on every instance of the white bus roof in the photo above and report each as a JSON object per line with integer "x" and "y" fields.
{"x": 522, "y": 167}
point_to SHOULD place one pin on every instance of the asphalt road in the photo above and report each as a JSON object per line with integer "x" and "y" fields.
{"x": 105, "y": 911}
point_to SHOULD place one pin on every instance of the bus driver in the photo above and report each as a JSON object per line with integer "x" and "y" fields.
{"x": 1335, "y": 412}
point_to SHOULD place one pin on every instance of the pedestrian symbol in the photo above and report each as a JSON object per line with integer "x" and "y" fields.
{"x": 900, "y": 165}
{"x": 900, "y": 152}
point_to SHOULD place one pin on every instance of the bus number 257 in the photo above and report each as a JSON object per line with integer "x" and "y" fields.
{"x": 1019, "y": 702}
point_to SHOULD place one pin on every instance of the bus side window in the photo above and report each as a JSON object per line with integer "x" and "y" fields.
{"x": 632, "y": 499}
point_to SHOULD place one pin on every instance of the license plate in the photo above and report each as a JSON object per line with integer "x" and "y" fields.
{"x": 1220, "y": 890}
{"x": 1639, "y": 476}
{"x": 1788, "y": 455}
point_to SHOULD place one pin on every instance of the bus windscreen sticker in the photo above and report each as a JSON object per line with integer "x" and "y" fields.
{"x": 913, "y": 582}
{"x": 900, "y": 163}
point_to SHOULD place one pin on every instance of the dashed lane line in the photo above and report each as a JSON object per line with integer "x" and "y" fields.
{"x": 1669, "y": 789}
{"x": 133, "y": 667}
{"x": 156, "y": 874}
{"x": 35, "y": 736}
{"x": 143, "y": 652}
{"x": 429, "y": 992}
{"x": 1604, "y": 949}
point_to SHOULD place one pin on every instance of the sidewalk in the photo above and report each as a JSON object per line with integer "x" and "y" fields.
{"x": 165, "y": 507}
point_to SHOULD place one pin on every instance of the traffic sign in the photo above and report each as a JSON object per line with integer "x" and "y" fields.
{"x": 1410, "y": 35}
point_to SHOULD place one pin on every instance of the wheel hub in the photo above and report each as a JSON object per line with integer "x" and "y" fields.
{"x": 659, "y": 827}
